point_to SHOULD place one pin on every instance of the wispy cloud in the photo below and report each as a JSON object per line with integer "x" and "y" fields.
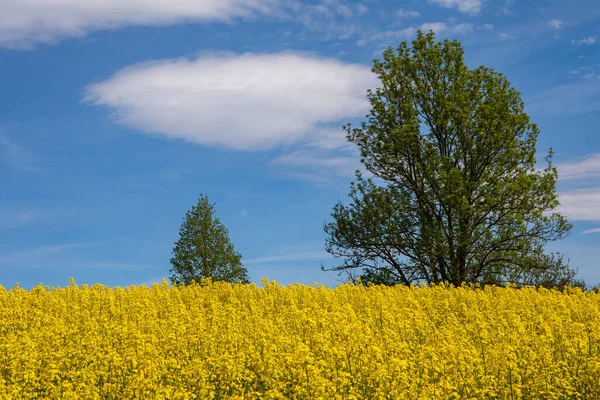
{"x": 505, "y": 36}
{"x": 302, "y": 256}
{"x": 579, "y": 96}
{"x": 335, "y": 18}
{"x": 17, "y": 218}
{"x": 440, "y": 28}
{"x": 305, "y": 158}
{"x": 585, "y": 41}
{"x": 239, "y": 102}
{"x": 580, "y": 205}
{"x": 401, "y": 13}
{"x": 23, "y": 23}
{"x": 555, "y": 24}
{"x": 588, "y": 167}
{"x": 464, "y": 6}
{"x": 330, "y": 139}
{"x": 14, "y": 218}
{"x": 53, "y": 250}
{"x": 15, "y": 156}
{"x": 323, "y": 160}
{"x": 506, "y": 9}
{"x": 595, "y": 230}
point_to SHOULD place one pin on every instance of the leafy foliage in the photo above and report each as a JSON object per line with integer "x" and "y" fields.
{"x": 204, "y": 249}
{"x": 455, "y": 195}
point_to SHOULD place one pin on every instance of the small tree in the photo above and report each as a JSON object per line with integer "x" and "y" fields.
{"x": 204, "y": 250}
{"x": 455, "y": 194}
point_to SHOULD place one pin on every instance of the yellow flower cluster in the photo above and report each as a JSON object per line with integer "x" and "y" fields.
{"x": 222, "y": 341}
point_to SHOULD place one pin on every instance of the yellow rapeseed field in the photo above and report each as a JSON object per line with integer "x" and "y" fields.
{"x": 221, "y": 341}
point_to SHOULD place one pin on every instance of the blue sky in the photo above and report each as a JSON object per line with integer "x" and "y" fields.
{"x": 116, "y": 114}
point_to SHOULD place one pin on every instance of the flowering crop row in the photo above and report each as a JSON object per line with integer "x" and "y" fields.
{"x": 276, "y": 342}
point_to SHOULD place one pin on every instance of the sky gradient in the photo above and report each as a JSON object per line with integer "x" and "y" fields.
{"x": 115, "y": 115}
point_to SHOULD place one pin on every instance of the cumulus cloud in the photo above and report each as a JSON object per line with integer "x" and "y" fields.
{"x": 26, "y": 22}
{"x": 464, "y": 6}
{"x": 241, "y": 102}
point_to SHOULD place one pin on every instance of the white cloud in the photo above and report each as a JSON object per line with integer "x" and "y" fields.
{"x": 580, "y": 205}
{"x": 440, "y": 28}
{"x": 335, "y": 18}
{"x": 345, "y": 11}
{"x": 326, "y": 160}
{"x": 26, "y": 22}
{"x": 505, "y": 36}
{"x": 462, "y": 29}
{"x": 307, "y": 255}
{"x": 242, "y": 102}
{"x": 595, "y": 230}
{"x": 361, "y": 9}
{"x": 555, "y": 23}
{"x": 577, "y": 97}
{"x": 464, "y": 6}
{"x": 437, "y": 27}
{"x": 387, "y": 36}
{"x": 323, "y": 160}
{"x": 506, "y": 8}
{"x": 585, "y": 41}
{"x": 330, "y": 139}
{"x": 589, "y": 167}
{"x": 323, "y": 164}
{"x": 407, "y": 14}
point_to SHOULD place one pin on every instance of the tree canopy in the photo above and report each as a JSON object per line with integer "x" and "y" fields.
{"x": 455, "y": 195}
{"x": 204, "y": 249}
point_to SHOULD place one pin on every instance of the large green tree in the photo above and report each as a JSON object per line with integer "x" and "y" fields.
{"x": 455, "y": 194}
{"x": 204, "y": 249}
